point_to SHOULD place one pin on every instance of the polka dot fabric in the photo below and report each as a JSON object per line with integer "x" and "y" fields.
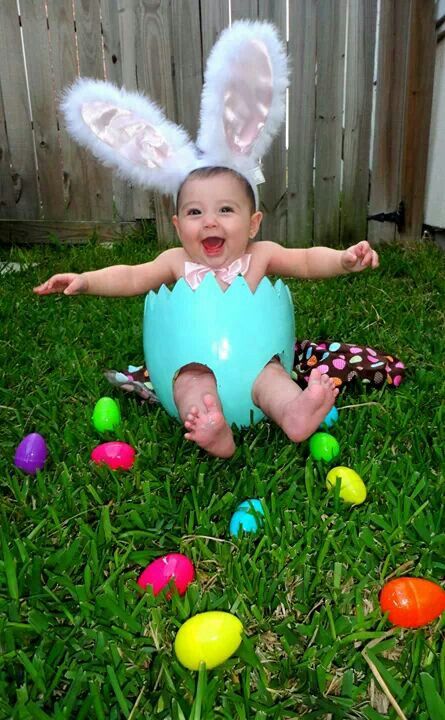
{"x": 347, "y": 363}
{"x": 343, "y": 362}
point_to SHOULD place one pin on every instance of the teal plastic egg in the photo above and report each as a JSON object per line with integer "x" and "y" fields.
{"x": 245, "y": 518}
{"x": 106, "y": 415}
{"x": 331, "y": 418}
{"x": 324, "y": 446}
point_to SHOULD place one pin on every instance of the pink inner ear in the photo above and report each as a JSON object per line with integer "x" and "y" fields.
{"x": 130, "y": 135}
{"x": 248, "y": 97}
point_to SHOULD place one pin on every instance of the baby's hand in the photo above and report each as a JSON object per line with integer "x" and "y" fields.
{"x": 359, "y": 257}
{"x": 66, "y": 283}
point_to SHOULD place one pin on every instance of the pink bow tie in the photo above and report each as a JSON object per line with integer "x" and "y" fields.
{"x": 194, "y": 273}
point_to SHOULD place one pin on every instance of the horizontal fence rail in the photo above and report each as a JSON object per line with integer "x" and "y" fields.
{"x": 358, "y": 68}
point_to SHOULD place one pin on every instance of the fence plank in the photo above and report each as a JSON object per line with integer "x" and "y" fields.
{"x": 300, "y": 192}
{"x": 154, "y": 74}
{"x": 215, "y": 16}
{"x": 357, "y": 134}
{"x": 7, "y": 195}
{"x": 418, "y": 106}
{"x": 43, "y": 110}
{"x": 244, "y": 10}
{"x": 89, "y": 43}
{"x": 273, "y": 193}
{"x": 64, "y": 68}
{"x": 17, "y": 114}
{"x": 187, "y": 58}
{"x": 331, "y": 26}
{"x": 391, "y": 78}
{"x": 118, "y": 24}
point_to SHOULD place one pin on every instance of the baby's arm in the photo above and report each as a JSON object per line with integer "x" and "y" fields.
{"x": 319, "y": 262}
{"x": 116, "y": 280}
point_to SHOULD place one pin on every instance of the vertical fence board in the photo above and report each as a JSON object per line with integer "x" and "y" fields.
{"x": 89, "y": 43}
{"x": 215, "y": 17}
{"x": 357, "y": 134}
{"x": 122, "y": 190}
{"x": 391, "y": 77}
{"x": 64, "y": 68}
{"x": 17, "y": 114}
{"x": 331, "y": 26}
{"x": 187, "y": 58}
{"x": 119, "y": 18}
{"x": 41, "y": 92}
{"x": 418, "y": 104}
{"x": 300, "y": 192}
{"x": 7, "y": 195}
{"x": 273, "y": 193}
{"x": 244, "y": 10}
{"x": 154, "y": 75}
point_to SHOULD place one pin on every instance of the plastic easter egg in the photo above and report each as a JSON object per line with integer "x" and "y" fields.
{"x": 324, "y": 447}
{"x": 210, "y": 637}
{"x": 31, "y": 453}
{"x": 160, "y": 572}
{"x": 412, "y": 602}
{"x": 115, "y": 454}
{"x": 106, "y": 415}
{"x": 331, "y": 418}
{"x": 352, "y": 487}
{"x": 245, "y": 519}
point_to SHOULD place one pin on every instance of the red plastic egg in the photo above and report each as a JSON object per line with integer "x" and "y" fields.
{"x": 174, "y": 567}
{"x": 412, "y": 602}
{"x": 115, "y": 454}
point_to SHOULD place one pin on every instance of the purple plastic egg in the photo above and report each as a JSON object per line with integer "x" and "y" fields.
{"x": 31, "y": 454}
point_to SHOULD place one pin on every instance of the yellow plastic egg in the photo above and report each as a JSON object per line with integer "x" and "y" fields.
{"x": 209, "y": 637}
{"x": 352, "y": 487}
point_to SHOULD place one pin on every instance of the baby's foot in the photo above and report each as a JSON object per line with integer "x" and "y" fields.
{"x": 303, "y": 415}
{"x": 209, "y": 429}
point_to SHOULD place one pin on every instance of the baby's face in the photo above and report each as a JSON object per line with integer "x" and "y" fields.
{"x": 214, "y": 221}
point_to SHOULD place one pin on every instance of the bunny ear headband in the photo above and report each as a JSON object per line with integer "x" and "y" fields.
{"x": 242, "y": 107}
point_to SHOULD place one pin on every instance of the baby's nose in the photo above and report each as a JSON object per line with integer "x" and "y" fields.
{"x": 210, "y": 220}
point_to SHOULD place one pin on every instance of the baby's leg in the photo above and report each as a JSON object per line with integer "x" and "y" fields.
{"x": 196, "y": 398}
{"x": 297, "y": 412}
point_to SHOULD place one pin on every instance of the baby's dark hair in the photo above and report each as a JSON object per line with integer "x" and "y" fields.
{"x": 214, "y": 171}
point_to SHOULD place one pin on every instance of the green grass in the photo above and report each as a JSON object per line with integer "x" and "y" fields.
{"x": 79, "y": 640}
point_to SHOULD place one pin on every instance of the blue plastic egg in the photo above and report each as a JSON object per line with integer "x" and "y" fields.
{"x": 245, "y": 518}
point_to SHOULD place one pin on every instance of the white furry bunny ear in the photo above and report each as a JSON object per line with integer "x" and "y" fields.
{"x": 129, "y": 133}
{"x": 244, "y": 95}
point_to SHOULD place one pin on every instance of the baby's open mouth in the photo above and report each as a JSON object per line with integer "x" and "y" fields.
{"x": 213, "y": 245}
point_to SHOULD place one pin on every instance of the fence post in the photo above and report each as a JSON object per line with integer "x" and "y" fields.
{"x": 418, "y": 106}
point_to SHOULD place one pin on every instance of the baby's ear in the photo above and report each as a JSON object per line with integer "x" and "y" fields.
{"x": 255, "y": 222}
{"x": 129, "y": 133}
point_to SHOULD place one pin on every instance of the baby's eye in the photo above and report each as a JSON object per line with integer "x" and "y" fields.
{"x": 226, "y": 209}
{"x": 193, "y": 211}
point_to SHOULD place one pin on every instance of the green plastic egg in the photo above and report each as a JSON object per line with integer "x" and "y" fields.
{"x": 106, "y": 415}
{"x": 324, "y": 446}
{"x": 352, "y": 487}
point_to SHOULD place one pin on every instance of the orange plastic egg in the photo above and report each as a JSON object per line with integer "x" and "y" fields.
{"x": 412, "y": 602}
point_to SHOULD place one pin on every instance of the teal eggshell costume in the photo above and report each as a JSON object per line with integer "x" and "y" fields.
{"x": 234, "y": 332}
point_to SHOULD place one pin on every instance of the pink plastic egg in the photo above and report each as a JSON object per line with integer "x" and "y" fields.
{"x": 174, "y": 567}
{"x": 115, "y": 454}
{"x": 31, "y": 454}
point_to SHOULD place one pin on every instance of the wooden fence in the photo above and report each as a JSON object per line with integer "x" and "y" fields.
{"x": 319, "y": 189}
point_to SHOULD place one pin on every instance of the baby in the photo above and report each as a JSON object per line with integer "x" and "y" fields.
{"x": 216, "y": 223}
